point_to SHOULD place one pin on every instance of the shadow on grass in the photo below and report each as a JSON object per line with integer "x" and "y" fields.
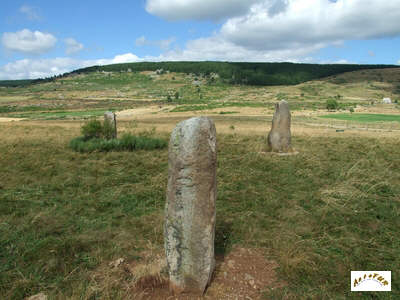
{"x": 223, "y": 237}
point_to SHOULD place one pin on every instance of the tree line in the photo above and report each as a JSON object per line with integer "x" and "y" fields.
{"x": 232, "y": 72}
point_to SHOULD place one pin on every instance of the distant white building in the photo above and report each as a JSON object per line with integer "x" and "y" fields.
{"x": 197, "y": 82}
{"x": 387, "y": 101}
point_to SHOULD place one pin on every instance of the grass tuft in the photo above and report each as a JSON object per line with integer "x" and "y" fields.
{"x": 128, "y": 142}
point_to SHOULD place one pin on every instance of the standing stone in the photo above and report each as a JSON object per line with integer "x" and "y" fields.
{"x": 111, "y": 119}
{"x": 189, "y": 227}
{"x": 279, "y": 138}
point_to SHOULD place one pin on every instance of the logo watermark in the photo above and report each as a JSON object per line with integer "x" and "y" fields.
{"x": 365, "y": 281}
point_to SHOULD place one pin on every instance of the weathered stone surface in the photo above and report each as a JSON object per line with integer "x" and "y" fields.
{"x": 111, "y": 119}
{"x": 189, "y": 227}
{"x": 279, "y": 138}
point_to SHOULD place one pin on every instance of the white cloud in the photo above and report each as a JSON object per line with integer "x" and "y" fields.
{"x": 73, "y": 46}
{"x": 279, "y": 29}
{"x": 28, "y": 42}
{"x": 142, "y": 41}
{"x": 40, "y": 68}
{"x": 118, "y": 59}
{"x": 162, "y": 44}
{"x": 30, "y": 12}
{"x": 198, "y": 9}
{"x": 342, "y": 61}
{"x": 338, "y": 61}
{"x": 37, "y": 68}
{"x": 304, "y": 23}
{"x": 217, "y": 48}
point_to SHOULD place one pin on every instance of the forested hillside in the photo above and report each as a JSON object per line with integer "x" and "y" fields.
{"x": 243, "y": 73}
{"x": 16, "y": 83}
{"x": 231, "y": 72}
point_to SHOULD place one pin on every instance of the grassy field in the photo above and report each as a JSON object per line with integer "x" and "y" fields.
{"x": 58, "y": 115}
{"x": 366, "y": 118}
{"x": 67, "y": 217}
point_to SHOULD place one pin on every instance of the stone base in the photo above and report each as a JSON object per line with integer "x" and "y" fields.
{"x": 177, "y": 291}
{"x": 174, "y": 289}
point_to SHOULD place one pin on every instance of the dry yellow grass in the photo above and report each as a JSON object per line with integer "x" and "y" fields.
{"x": 287, "y": 206}
{"x": 247, "y": 121}
{"x": 4, "y": 119}
{"x": 69, "y": 217}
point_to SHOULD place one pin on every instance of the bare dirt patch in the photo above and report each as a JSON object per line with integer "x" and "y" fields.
{"x": 242, "y": 274}
{"x": 129, "y": 114}
{"x": 10, "y": 119}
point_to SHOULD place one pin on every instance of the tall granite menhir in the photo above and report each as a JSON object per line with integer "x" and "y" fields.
{"x": 189, "y": 228}
{"x": 279, "y": 138}
{"x": 111, "y": 120}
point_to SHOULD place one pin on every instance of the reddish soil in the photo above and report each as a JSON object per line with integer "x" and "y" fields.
{"x": 242, "y": 274}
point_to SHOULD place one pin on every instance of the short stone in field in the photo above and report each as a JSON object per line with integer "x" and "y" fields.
{"x": 111, "y": 119}
{"x": 279, "y": 138}
{"x": 189, "y": 227}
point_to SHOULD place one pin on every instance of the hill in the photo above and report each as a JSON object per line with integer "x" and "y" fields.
{"x": 78, "y": 96}
{"x": 18, "y": 83}
{"x": 231, "y": 72}
{"x": 242, "y": 73}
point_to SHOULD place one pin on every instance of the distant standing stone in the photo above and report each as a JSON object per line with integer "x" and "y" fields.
{"x": 279, "y": 138}
{"x": 111, "y": 119}
{"x": 189, "y": 227}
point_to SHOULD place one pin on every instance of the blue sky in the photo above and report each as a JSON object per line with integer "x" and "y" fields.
{"x": 43, "y": 38}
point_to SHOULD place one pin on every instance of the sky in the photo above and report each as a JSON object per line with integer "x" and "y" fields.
{"x": 41, "y": 38}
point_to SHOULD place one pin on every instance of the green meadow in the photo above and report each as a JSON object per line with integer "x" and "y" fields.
{"x": 57, "y": 115}
{"x": 365, "y": 118}
{"x": 64, "y": 216}
{"x": 70, "y": 208}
